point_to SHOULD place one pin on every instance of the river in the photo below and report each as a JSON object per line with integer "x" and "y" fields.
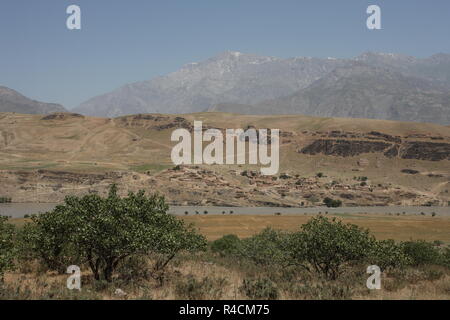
{"x": 19, "y": 210}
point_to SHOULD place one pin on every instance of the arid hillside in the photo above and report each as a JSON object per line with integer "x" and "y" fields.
{"x": 359, "y": 161}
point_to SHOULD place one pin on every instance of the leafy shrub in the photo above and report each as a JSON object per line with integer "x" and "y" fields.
{"x": 226, "y": 246}
{"x": 331, "y": 203}
{"x": 5, "y": 200}
{"x": 265, "y": 248}
{"x": 446, "y": 257}
{"x": 259, "y": 289}
{"x": 328, "y": 245}
{"x": 421, "y": 252}
{"x": 388, "y": 254}
{"x": 105, "y": 231}
{"x": 46, "y": 239}
{"x": 7, "y": 249}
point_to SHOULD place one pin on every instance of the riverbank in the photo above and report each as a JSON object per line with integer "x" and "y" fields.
{"x": 20, "y": 210}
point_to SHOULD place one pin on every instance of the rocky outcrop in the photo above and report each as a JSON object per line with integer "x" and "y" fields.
{"x": 431, "y": 151}
{"x": 155, "y": 122}
{"x": 62, "y": 116}
{"x": 344, "y": 148}
{"x": 418, "y": 150}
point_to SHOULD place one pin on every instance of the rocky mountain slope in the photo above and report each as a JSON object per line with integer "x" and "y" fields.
{"x": 12, "y": 101}
{"x": 416, "y": 90}
{"x": 230, "y": 77}
{"x": 361, "y": 91}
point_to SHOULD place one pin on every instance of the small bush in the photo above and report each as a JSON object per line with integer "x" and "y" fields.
{"x": 227, "y": 245}
{"x": 193, "y": 289}
{"x": 388, "y": 254}
{"x": 323, "y": 291}
{"x": 421, "y": 252}
{"x": 5, "y": 200}
{"x": 259, "y": 289}
{"x": 328, "y": 245}
{"x": 331, "y": 203}
{"x": 266, "y": 248}
{"x": 7, "y": 249}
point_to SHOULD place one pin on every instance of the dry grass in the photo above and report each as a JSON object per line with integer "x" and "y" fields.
{"x": 400, "y": 228}
{"x": 224, "y": 283}
{"x": 383, "y": 227}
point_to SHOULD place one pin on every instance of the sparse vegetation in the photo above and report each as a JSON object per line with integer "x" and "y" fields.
{"x": 259, "y": 289}
{"x": 228, "y": 245}
{"x": 7, "y": 249}
{"x": 332, "y": 203}
{"x": 105, "y": 231}
{"x": 5, "y": 200}
{"x": 323, "y": 259}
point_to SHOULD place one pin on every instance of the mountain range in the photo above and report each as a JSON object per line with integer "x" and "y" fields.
{"x": 372, "y": 85}
{"x": 13, "y": 101}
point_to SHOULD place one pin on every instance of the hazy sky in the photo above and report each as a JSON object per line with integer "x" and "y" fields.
{"x": 124, "y": 41}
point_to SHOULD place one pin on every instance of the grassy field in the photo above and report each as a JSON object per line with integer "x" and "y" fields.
{"x": 400, "y": 228}
{"x": 383, "y": 227}
{"x": 210, "y": 276}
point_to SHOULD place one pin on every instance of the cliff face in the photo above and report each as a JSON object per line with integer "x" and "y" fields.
{"x": 419, "y": 150}
{"x": 344, "y": 148}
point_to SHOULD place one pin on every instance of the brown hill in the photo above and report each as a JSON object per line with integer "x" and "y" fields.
{"x": 363, "y": 162}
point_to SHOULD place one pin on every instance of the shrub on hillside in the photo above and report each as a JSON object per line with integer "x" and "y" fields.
{"x": 331, "y": 203}
{"x": 421, "y": 252}
{"x": 446, "y": 257}
{"x": 46, "y": 239}
{"x": 388, "y": 254}
{"x": 259, "y": 289}
{"x": 7, "y": 249}
{"x": 207, "y": 288}
{"x": 5, "y": 200}
{"x": 265, "y": 248}
{"x": 328, "y": 245}
{"x": 105, "y": 231}
{"x": 228, "y": 245}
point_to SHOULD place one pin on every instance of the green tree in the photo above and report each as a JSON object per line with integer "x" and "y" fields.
{"x": 331, "y": 203}
{"x": 47, "y": 238}
{"x": 104, "y": 231}
{"x": 266, "y": 248}
{"x": 421, "y": 252}
{"x": 388, "y": 254}
{"x": 227, "y": 245}
{"x": 328, "y": 245}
